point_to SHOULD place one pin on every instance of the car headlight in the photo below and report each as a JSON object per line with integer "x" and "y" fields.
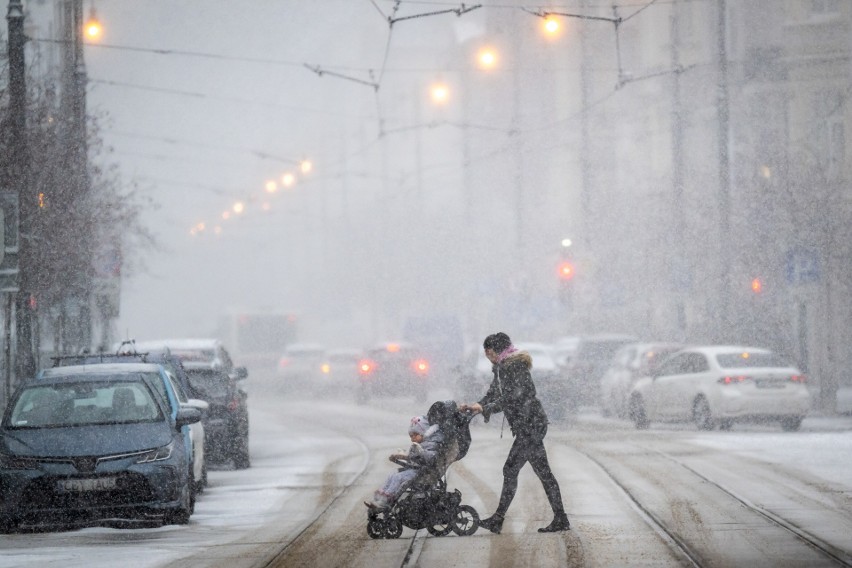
{"x": 159, "y": 454}
{"x": 17, "y": 462}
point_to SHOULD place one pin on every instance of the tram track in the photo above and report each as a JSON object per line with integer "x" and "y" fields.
{"x": 841, "y": 557}
{"x": 674, "y": 538}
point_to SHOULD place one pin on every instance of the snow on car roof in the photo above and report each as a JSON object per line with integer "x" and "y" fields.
{"x": 101, "y": 369}
{"x": 175, "y": 344}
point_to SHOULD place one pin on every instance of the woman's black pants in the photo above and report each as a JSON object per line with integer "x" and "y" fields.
{"x": 529, "y": 447}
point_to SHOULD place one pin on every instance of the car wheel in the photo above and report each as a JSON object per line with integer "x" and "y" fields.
{"x": 8, "y": 525}
{"x": 180, "y": 515}
{"x": 638, "y": 414}
{"x": 701, "y": 414}
{"x": 200, "y": 484}
{"x": 791, "y": 424}
{"x": 241, "y": 454}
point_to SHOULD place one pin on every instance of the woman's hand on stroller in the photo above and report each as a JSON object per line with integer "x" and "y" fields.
{"x": 474, "y": 408}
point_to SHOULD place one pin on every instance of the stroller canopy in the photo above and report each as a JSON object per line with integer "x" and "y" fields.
{"x": 454, "y": 424}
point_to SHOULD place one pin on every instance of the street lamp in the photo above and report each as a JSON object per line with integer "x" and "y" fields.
{"x": 306, "y": 166}
{"x": 288, "y": 179}
{"x": 487, "y": 58}
{"x": 271, "y": 186}
{"x": 93, "y": 27}
{"x": 440, "y": 93}
{"x": 551, "y": 25}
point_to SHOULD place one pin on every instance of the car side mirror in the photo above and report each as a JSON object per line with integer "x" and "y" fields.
{"x": 241, "y": 373}
{"x": 201, "y": 405}
{"x": 187, "y": 415}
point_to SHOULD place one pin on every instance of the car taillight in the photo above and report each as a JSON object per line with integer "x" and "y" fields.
{"x": 233, "y": 405}
{"x": 283, "y": 362}
{"x": 733, "y": 380}
{"x": 421, "y": 366}
{"x": 799, "y": 379}
{"x": 366, "y": 367}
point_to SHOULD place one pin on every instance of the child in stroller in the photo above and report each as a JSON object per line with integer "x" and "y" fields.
{"x": 425, "y": 502}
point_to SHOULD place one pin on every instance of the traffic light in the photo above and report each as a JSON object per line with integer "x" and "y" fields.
{"x": 757, "y": 285}
{"x": 566, "y": 271}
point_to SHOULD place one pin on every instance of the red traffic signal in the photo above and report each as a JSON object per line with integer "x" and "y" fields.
{"x": 566, "y": 270}
{"x": 757, "y": 285}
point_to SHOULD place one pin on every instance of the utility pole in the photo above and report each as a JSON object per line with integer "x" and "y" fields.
{"x": 77, "y": 329}
{"x": 723, "y": 194}
{"x": 25, "y": 364}
{"x": 682, "y": 271}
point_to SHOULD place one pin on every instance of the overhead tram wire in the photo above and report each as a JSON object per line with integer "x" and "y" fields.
{"x": 199, "y": 95}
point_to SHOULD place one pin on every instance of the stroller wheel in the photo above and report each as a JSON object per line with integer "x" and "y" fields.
{"x": 439, "y": 527}
{"x": 376, "y": 527}
{"x": 466, "y": 521}
{"x": 393, "y": 528}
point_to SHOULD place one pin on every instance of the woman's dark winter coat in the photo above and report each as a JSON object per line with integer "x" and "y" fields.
{"x": 512, "y": 392}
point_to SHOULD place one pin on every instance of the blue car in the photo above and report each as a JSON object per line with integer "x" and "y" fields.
{"x": 84, "y": 444}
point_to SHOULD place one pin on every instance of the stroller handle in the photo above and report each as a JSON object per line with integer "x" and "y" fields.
{"x": 404, "y": 463}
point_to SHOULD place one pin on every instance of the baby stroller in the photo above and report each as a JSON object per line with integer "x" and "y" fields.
{"x": 425, "y": 502}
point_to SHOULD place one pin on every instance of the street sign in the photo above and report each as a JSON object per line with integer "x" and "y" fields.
{"x": 9, "y": 244}
{"x": 802, "y": 266}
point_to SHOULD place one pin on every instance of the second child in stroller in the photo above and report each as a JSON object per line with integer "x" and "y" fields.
{"x": 416, "y": 496}
{"x": 425, "y": 442}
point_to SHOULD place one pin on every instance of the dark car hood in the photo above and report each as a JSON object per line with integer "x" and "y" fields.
{"x": 98, "y": 440}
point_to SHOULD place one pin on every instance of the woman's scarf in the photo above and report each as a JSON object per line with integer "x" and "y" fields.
{"x": 505, "y": 353}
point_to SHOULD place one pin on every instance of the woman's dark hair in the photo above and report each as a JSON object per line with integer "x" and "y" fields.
{"x": 497, "y": 342}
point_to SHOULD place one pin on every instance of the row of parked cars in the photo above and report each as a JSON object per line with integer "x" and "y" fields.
{"x": 645, "y": 382}
{"x": 125, "y": 435}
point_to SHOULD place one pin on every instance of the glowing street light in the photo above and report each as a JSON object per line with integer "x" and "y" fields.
{"x": 239, "y": 207}
{"x": 487, "y": 58}
{"x": 551, "y": 25}
{"x": 271, "y": 186}
{"x": 93, "y": 28}
{"x": 306, "y": 166}
{"x": 288, "y": 179}
{"x": 440, "y": 93}
{"x": 226, "y": 215}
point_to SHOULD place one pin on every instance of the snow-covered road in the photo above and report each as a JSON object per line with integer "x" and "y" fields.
{"x": 663, "y": 497}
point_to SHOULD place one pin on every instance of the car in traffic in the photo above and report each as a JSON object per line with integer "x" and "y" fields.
{"x": 721, "y": 385}
{"x": 582, "y": 374}
{"x": 83, "y": 444}
{"x": 339, "y": 372}
{"x": 549, "y": 384}
{"x": 300, "y": 368}
{"x": 213, "y": 378}
{"x": 393, "y": 369}
{"x": 629, "y": 364}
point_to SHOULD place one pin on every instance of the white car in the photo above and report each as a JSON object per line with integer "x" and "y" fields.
{"x": 629, "y": 364}
{"x": 720, "y": 385}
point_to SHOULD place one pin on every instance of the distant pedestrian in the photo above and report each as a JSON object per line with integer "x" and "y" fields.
{"x": 512, "y": 392}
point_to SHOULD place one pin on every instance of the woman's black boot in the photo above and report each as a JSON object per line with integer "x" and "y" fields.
{"x": 494, "y": 523}
{"x": 559, "y": 523}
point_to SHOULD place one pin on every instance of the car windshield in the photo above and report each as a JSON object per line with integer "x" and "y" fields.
{"x": 209, "y": 384}
{"x": 84, "y": 403}
{"x": 746, "y": 359}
